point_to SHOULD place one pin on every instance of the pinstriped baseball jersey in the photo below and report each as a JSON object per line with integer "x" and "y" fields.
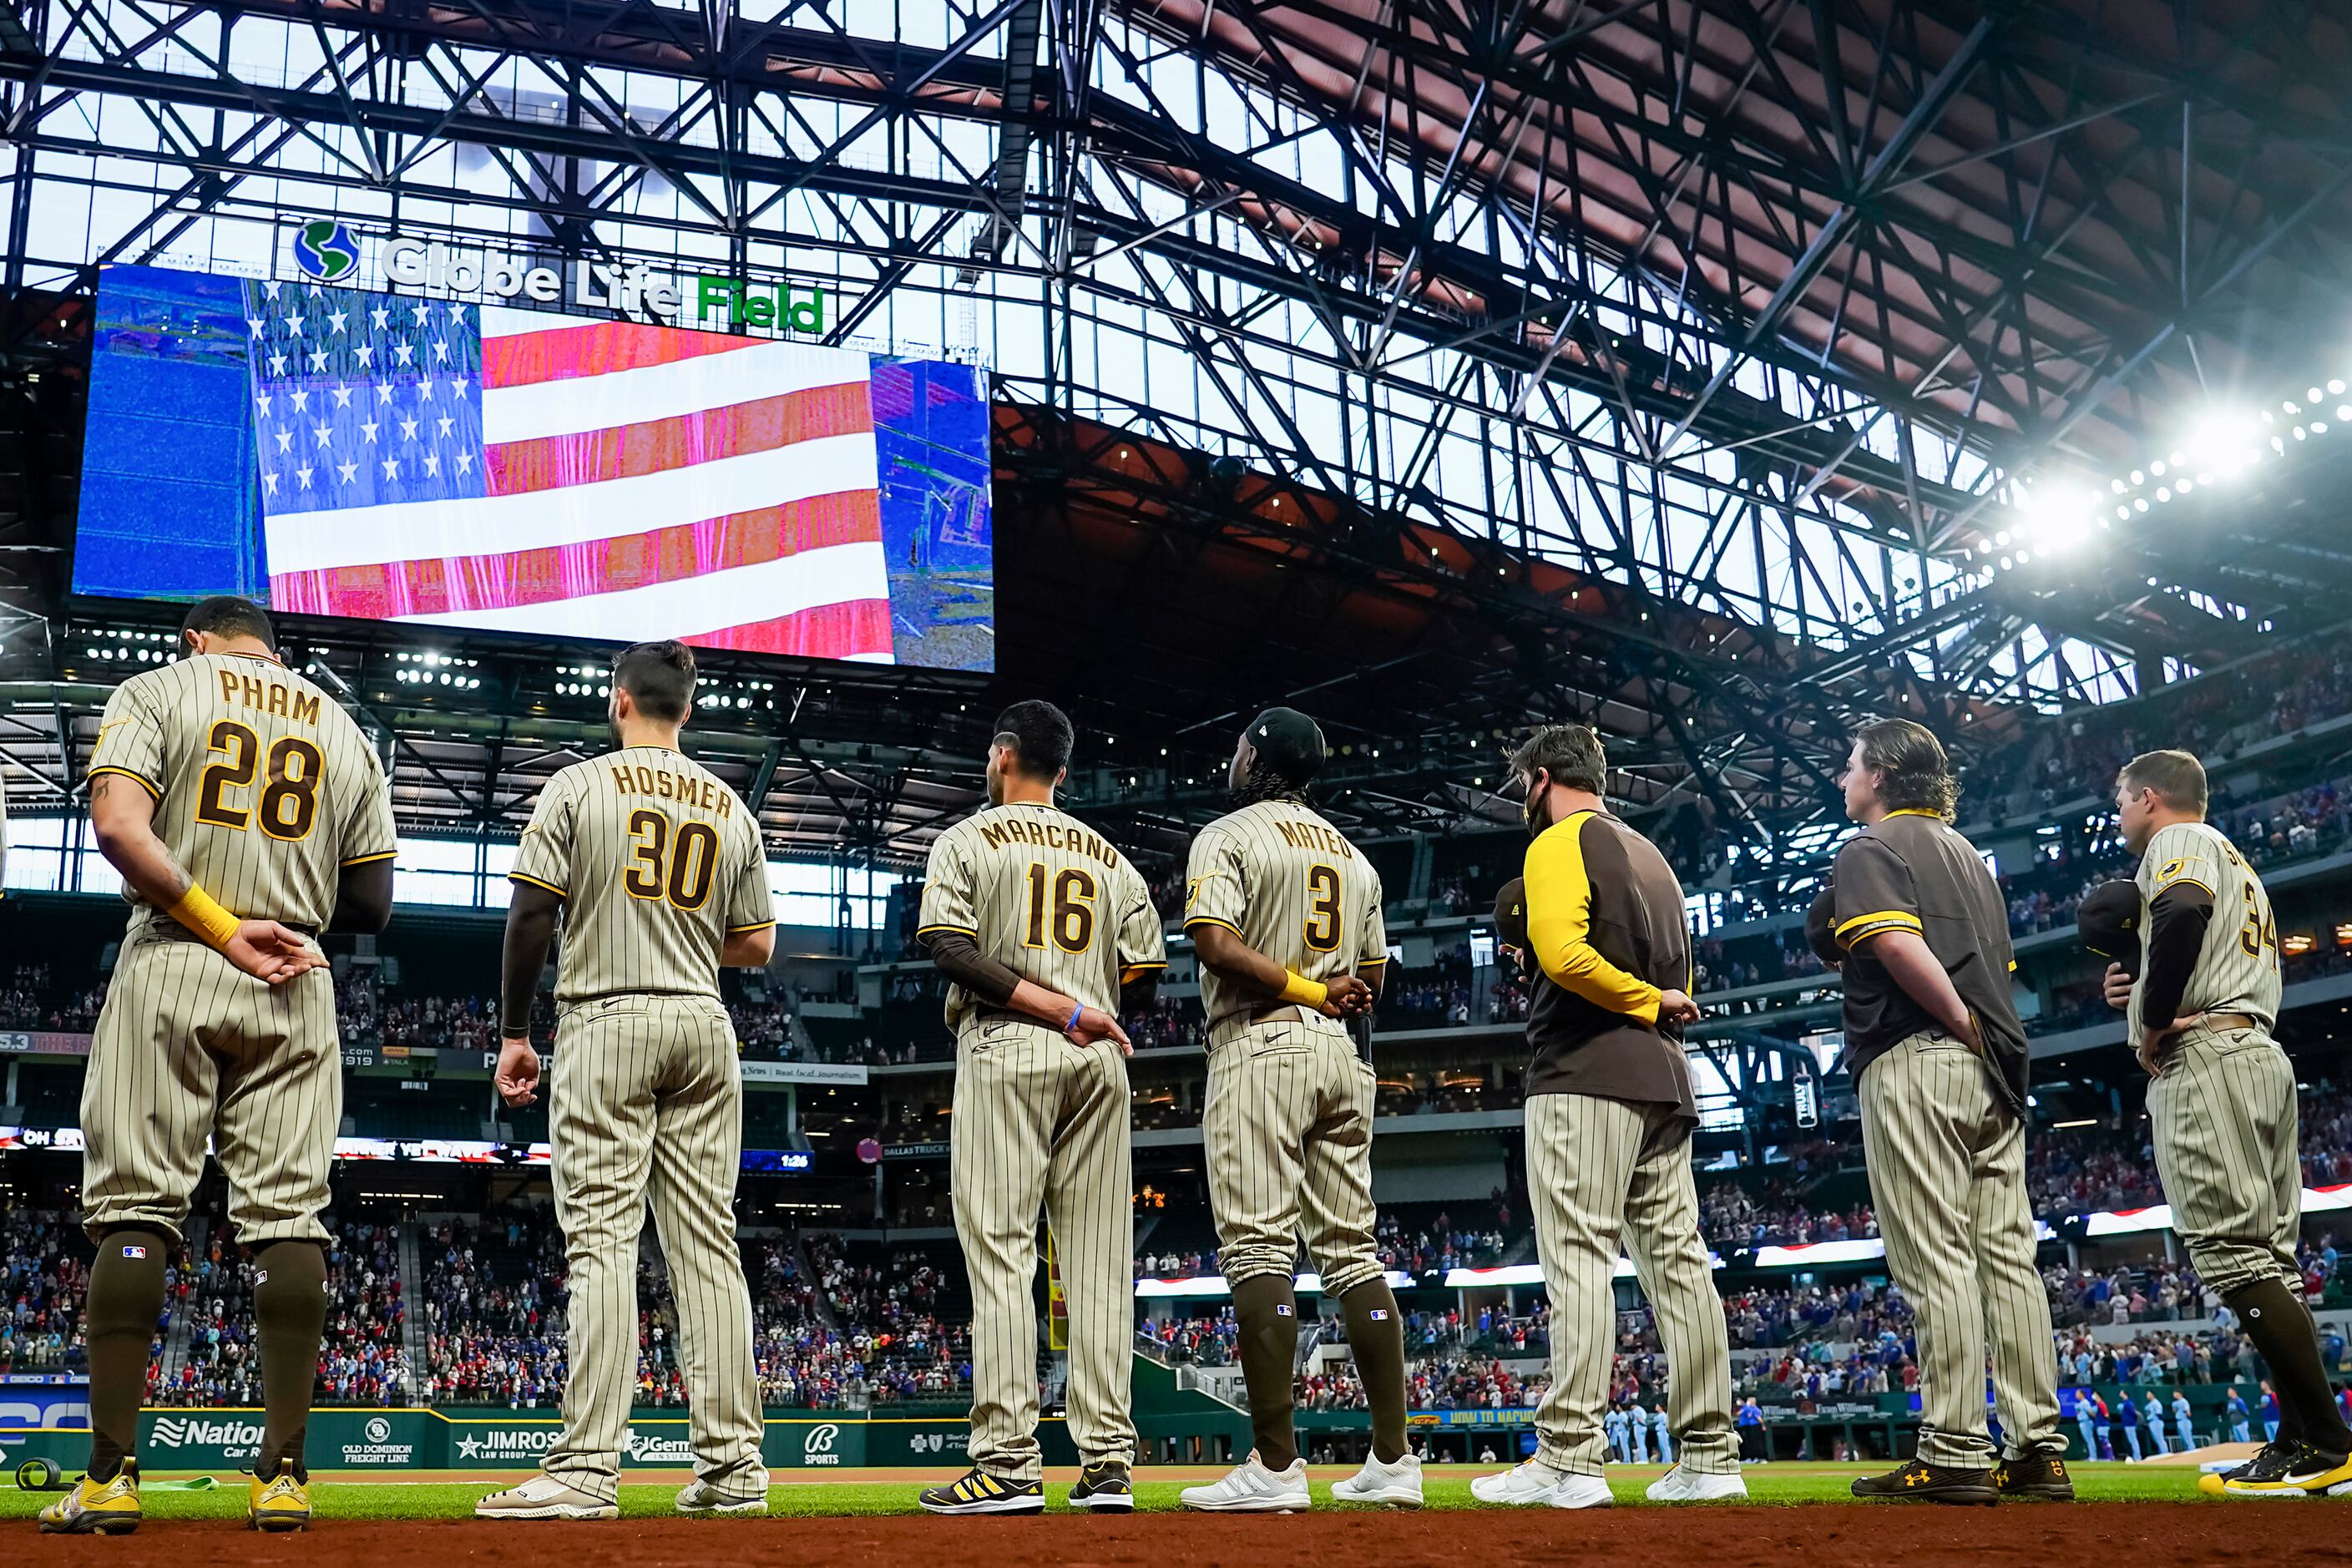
{"x": 1294, "y": 888}
{"x": 657, "y": 863}
{"x": 265, "y": 788}
{"x": 1047, "y": 897}
{"x": 2238, "y": 968}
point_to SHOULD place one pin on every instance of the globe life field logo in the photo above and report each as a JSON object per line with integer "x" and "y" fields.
{"x": 325, "y": 250}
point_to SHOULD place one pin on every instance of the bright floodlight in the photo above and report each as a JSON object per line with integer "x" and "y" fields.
{"x": 2223, "y": 445}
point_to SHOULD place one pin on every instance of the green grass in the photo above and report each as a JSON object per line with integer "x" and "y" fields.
{"x": 1447, "y": 1487}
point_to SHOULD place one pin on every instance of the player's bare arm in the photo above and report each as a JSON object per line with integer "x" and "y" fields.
{"x": 1907, "y": 960}
{"x": 1222, "y": 949}
{"x": 530, "y": 932}
{"x": 122, "y": 815}
{"x": 959, "y": 958}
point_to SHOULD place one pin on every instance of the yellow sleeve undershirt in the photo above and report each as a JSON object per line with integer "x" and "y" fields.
{"x": 1559, "y": 915}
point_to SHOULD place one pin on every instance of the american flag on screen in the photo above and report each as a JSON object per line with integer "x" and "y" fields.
{"x": 509, "y": 470}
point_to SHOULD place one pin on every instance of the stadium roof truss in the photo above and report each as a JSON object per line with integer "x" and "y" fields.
{"x": 1749, "y": 312}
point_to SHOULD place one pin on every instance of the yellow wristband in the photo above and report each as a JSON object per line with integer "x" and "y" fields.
{"x": 1297, "y": 987}
{"x": 198, "y": 912}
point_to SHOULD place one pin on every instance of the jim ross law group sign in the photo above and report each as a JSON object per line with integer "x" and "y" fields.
{"x": 326, "y": 251}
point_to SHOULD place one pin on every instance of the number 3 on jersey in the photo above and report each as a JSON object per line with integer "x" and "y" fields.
{"x": 1322, "y": 907}
{"x": 1072, "y": 914}
{"x": 657, "y": 869}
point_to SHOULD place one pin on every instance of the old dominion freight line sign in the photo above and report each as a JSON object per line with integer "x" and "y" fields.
{"x": 389, "y": 1440}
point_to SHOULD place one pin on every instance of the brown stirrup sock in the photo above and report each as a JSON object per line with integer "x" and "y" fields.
{"x": 289, "y": 1309}
{"x": 126, "y": 1300}
{"x": 2274, "y": 1318}
{"x": 1267, "y": 1312}
{"x": 1376, "y": 1340}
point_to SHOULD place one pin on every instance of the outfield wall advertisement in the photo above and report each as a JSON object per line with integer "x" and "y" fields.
{"x": 361, "y": 1440}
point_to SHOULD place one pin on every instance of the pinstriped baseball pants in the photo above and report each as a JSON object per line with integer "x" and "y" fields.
{"x": 1599, "y": 1169}
{"x": 1946, "y": 1160}
{"x": 1287, "y": 1131}
{"x": 2226, "y": 1125}
{"x": 189, "y": 1047}
{"x": 1040, "y": 1123}
{"x": 645, "y": 1102}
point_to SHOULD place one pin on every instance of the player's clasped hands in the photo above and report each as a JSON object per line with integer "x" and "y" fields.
{"x": 517, "y": 1079}
{"x": 271, "y": 952}
{"x": 1345, "y": 997}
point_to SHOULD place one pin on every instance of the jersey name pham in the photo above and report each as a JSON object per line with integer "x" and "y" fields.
{"x": 265, "y": 695}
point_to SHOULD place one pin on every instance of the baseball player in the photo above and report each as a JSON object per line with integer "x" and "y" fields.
{"x": 2086, "y": 1421}
{"x": 2184, "y": 1430}
{"x": 1934, "y": 1041}
{"x": 1285, "y": 918}
{"x": 2221, "y": 1109}
{"x": 2235, "y": 1415}
{"x": 247, "y": 814}
{"x": 2152, "y": 1417}
{"x": 1614, "y": 1426}
{"x": 657, "y": 872}
{"x": 1662, "y": 1436}
{"x": 1044, "y": 928}
{"x": 1609, "y": 1119}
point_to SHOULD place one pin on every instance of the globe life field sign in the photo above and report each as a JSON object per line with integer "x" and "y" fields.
{"x": 708, "y": 300}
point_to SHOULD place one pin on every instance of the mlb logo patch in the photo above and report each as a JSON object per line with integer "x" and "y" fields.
{"x": 1379, "y": 1314}
{"x": 130, "y": 1251}
{"x": 1281, "y": 1311}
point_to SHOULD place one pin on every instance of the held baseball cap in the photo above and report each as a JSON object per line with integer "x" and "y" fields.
{"x": 1511, "y": 914}
{"x": 1821, "y": 928}
{"x": 2107, "y": 922}
{"x": 1288, "y": 742}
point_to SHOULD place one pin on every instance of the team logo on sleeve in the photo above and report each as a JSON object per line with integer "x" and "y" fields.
{"x": 1193, "y": 893}
{"x": 2169, "y": 871}
{"x": 130, "y": 1251}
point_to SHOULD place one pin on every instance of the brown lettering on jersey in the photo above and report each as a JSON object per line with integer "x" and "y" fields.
{"x": 995, "y": 833}
{"x": 621, "y": 782}
{"x": 306, "y": 708}
{"x": 645, "y": 780}
{"x": 665, "y": 785}
{"x": 724, "y": 798}
{"x": 1313, "y": 836}
{"x": 249, "y": 687}
{"x": 229, "y": 685}
{"x": 278, "y": 695}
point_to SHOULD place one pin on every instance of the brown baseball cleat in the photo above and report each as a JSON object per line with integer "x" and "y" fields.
{"x": 1920, "y": 1481}
{"x": 2035, "y": 1476}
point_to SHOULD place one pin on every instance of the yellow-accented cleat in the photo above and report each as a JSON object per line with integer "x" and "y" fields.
{"x": 280, "y": 1504}
{"x": 97, "y": 1508}
{"x": 2209, "y": 1484}
{"x": 2290, "y": 1469}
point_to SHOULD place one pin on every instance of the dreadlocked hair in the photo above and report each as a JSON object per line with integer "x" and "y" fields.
{"x": 1261, "y": 782}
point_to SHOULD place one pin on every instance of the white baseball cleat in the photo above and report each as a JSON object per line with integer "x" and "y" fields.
{"x": 1250, "y": 1488}
{"x": 1537, "y": 1485}
{"x": 544, "y": 1496}
{"x": 1682, "y": 1484}
{"x": 1397, "y": 1485}
{"x": 701, "y": 1497}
